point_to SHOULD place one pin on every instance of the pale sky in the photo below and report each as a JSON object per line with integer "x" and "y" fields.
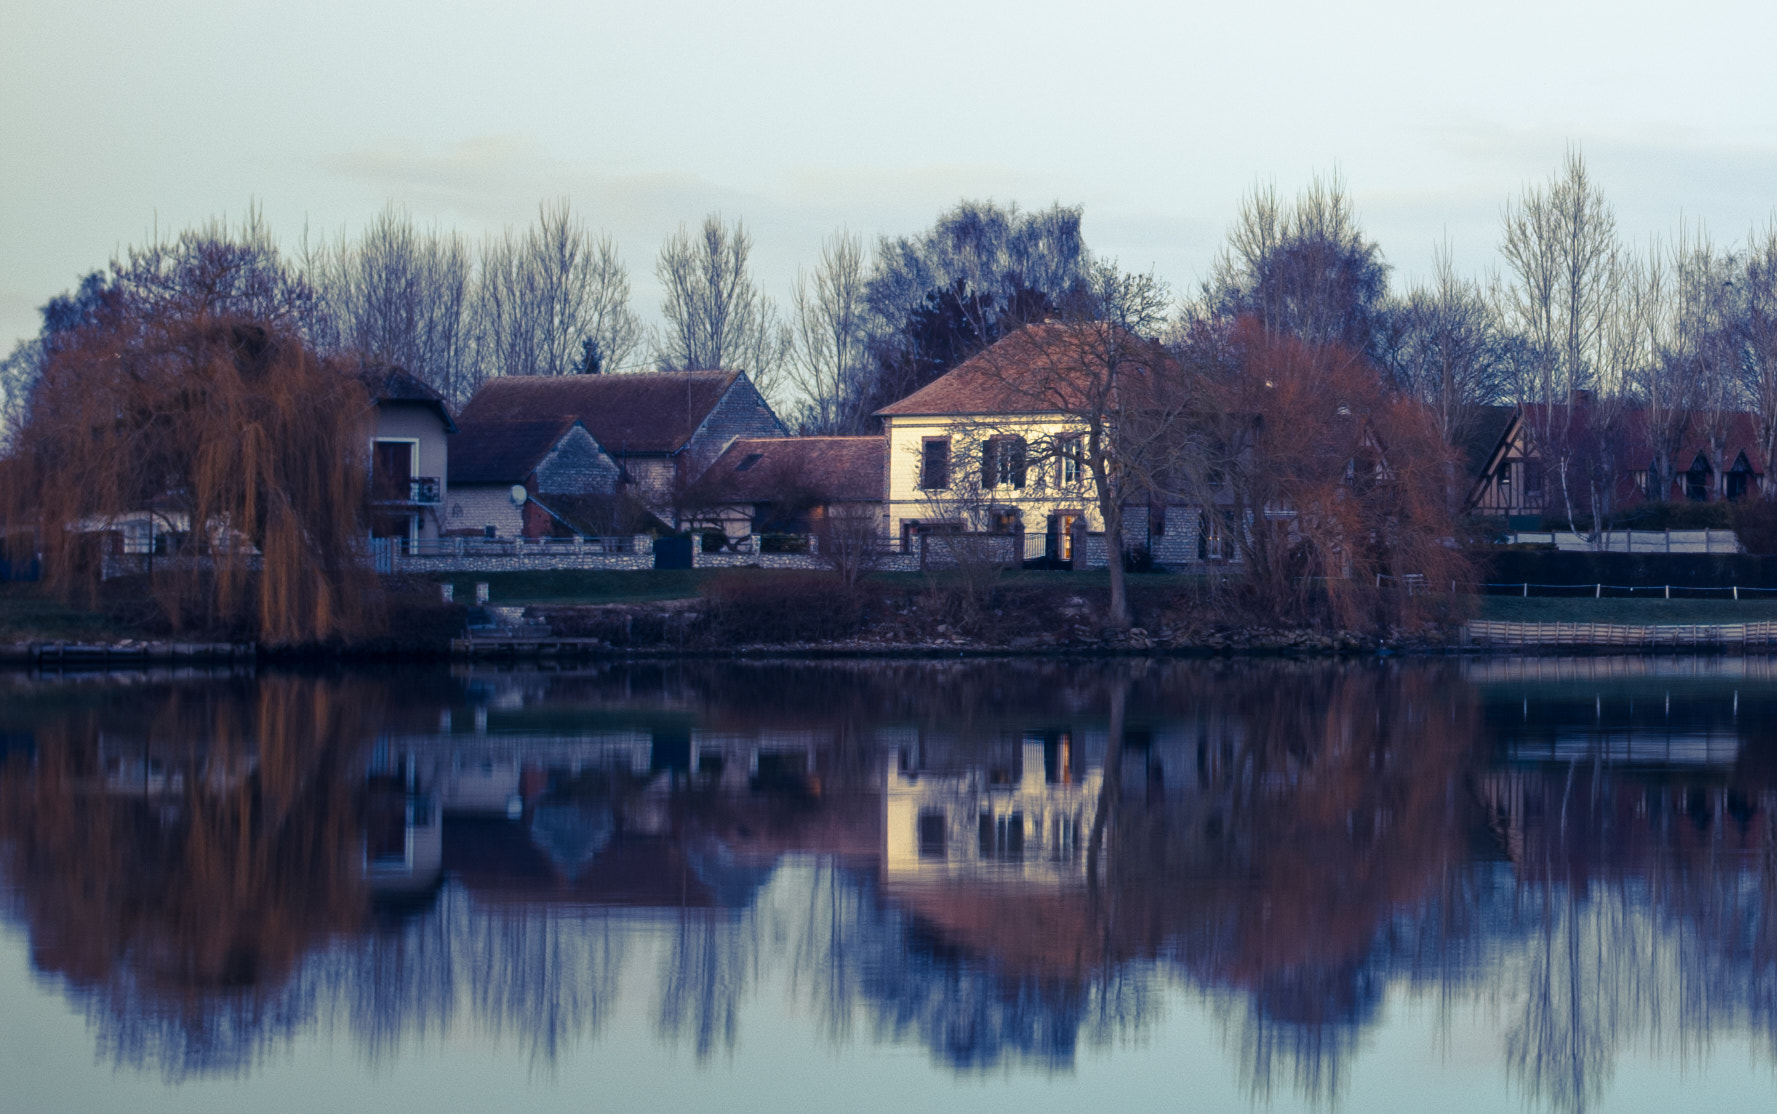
{"x": 798, "y": 117}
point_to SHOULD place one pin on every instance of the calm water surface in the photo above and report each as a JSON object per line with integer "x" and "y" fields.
{"x": 1480, "y": 885}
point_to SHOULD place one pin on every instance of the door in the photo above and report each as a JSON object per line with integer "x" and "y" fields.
{"x": 1058, "y": 546}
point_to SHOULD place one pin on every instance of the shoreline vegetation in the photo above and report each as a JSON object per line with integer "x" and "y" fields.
{"x": 752, "y": 612}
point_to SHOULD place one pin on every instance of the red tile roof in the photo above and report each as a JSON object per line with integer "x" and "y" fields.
{"x": 831, "y": 469}
{"x": 1031, "y": 371}
{"x": 654, "y": 412}
{"x": 490, "y": 452}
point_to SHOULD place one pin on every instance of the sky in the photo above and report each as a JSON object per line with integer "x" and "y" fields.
{"x": 798, "y": 117}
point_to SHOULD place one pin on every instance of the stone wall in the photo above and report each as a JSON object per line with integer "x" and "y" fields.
{"x": 477, "y": 506}
{"x": 519, "y": 555}
{"x": 742, "y": 412}
{"x": 577, "y": 466}
{"x": 1177, "y": 547}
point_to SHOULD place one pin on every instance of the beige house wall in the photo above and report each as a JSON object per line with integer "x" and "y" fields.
{"x": 1043, "y": 494}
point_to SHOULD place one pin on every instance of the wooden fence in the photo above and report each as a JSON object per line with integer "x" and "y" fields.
{"x": 1485, "y": 632}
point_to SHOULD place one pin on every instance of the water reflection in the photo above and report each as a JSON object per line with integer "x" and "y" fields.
{"x": 1002, "y": 863}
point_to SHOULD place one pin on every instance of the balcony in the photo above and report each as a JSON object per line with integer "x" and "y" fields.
{"x": 424, "y": 491}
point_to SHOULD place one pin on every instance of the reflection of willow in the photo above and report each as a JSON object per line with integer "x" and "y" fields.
{"x": 1661, "y": 930}
{"x": 544, "y": 977}
{"x": 1322, "y": 807}
{"x": 177, "y": 875}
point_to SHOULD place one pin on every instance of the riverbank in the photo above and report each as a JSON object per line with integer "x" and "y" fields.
{"x": 750, "y": 612}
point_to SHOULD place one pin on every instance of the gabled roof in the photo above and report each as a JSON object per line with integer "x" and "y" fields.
{"x": 828, "y": 469}
{"x": 1025, "y": 372}
{"x": 492, "y": 452}
{"x": 1476, "y": 448}
{"x": 653, "y": 412}
{"x": 388, "y": 383}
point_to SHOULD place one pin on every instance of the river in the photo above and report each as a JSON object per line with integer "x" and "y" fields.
{"x": 1462, "y": 884}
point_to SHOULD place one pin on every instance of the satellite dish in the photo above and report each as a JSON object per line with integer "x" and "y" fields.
{"x": 519, "y": 495}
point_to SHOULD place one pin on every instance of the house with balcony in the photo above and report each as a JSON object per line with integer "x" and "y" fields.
{"x": 409, "y": 455}
{"x": 657, "y": 432}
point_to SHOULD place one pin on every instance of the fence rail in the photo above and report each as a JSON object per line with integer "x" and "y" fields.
{"x": 1597, "y": 590}
{"x": 1632, "y": 541}
{"x": 1495, "y": 632}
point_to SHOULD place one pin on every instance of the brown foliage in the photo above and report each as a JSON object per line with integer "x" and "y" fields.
{"x": 226, "y": 430}
{"x": 1329, "y": 484}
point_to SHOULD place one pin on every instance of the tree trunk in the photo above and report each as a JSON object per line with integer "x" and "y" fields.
{"x": 1111, "y": 510}
{"x": 1112, "y": 782}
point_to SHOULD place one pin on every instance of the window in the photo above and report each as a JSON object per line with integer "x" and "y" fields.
{"x": 1069, "y": 450}
{"x": 748, "y": 461}
{"x": 1696, "y": 481}
{"x": 1533, "y": 477}
{"x": 934, "y": 464}
{"x": 930, "y": 835}
{"x": 1002, "y": 462}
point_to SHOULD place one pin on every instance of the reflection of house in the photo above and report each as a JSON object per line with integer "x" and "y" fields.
{"x": 1704, "y": 461}
{"x": 1033, "y": 828}
{"x": 990, "y": 447}
{"x": 653, "y": 432}
{"x": 790, "y": 484}
{"x": 409, "y": 455}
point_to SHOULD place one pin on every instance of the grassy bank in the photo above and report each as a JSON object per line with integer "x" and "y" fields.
{"x": 28, "y": 613}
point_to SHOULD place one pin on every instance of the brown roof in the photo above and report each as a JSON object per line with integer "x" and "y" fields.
{"x": 486, "y": 452}
{"x": 1026, "y": 372}
{"x": 388, "y": 383}
{"x": 654, "y": 412}
{"x": 832, "y": 469}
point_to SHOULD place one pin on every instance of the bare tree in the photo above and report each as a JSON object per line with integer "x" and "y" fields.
{"x": 715, "y": 316}
{"x": 553, "y": 301}
{"x": 1705, "y": 353}
{"x": 1758, "y": 327}
{"x": 1560, "y": 244}
{"x": 1111, "y": 398}
{"x": 832, "y": 337}
{"x": 401, "y": 295}
{"x": 1304, "y": 269}
{"x": 1448, "y": 350}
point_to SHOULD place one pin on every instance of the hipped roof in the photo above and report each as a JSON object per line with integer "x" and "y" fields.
{"x": 1030, "y": 371}
{"x": 654, "y": 412}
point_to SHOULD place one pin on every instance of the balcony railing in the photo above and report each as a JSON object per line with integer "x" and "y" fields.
{"x": 421, "y": 490}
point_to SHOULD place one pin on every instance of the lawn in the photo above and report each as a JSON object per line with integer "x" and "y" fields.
{"x": 28, "y": 613}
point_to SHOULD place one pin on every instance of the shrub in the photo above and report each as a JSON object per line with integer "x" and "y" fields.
{"x": 748, "y": 605}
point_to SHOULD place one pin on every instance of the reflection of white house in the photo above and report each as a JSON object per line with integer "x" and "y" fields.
{"x": 1031, "y": 829}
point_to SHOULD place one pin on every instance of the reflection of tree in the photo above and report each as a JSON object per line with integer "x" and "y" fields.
{"x": 1274, "y": 852}
{"x": 177, "y": 874}
{"x": 1295, "y": 841}
{"x": 710, "y": 958}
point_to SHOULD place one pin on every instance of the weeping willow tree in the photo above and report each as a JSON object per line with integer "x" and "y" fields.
{"x": 223, "y": 434}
